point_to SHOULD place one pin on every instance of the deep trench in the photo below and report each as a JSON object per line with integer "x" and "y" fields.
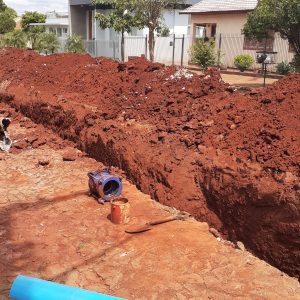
{"x": 236, "y": 222}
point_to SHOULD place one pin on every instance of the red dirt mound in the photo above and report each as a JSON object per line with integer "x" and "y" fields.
{"x": 230, "y": 159}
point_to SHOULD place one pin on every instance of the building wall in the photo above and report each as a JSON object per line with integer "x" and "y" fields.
{"x": 227, "y": 23}
{"x": 107, "y": 34}
{"x": 79, "y": 16}
{"x": 78, "y": 23}
{"x": 177, "y": 23}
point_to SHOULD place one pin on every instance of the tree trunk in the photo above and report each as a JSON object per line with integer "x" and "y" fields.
{"x": 151, "y": 43}
{"x": 122, "y": 46}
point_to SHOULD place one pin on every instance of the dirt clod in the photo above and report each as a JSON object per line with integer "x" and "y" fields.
{"x": 240, "y": 246}
{"x": 70, "y": 155}
{"x": 44, "y": 162}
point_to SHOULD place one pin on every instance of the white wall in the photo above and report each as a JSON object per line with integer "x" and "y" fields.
{"x": 178, "y": 24}
{"x": 78, "y": 21}
{"x": 97, "y": 32}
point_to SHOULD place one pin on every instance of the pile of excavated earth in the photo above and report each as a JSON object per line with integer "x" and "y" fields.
{"x": 189, "y": 141}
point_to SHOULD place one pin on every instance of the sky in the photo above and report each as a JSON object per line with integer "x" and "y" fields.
{"x": 37, "y": 5}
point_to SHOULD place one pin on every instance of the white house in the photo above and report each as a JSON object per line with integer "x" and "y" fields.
{"x": 82, "y": 21}
{"x": 57, "y": 22}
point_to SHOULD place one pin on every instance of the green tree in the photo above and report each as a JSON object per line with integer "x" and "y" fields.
{"x": 150, "y": 13}
{"x": 7, "y": 18}
{"x": 204, "y": 53}
{"x": 121, "y": 18}
{"x": 281, "y": 16}
{"x": 7, "y": 23}
{"x": 33, "y": 31}
{"x": 11, "y": 12}
{"x": 75, "y": 44}
{"x": 2, "y": 6}
{"x": 47, "y": 43}
{"x": 17, "y": 39}
{"x": 33, "y": 34}
{"x": 31, "y": 17}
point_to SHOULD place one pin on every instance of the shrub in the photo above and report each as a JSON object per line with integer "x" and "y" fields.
{"x": 296, "y": 63}
{"x": 163, "y": 31}
{"x": 33, "y": 34}
{"x": 243, "y": 62}
{"x": 203, "y": 53}
{"x": 47, "y": 43}
{"x": 284, "y": 68}
{"x": 17, "y": 39}
{"x": 75, "y": 44}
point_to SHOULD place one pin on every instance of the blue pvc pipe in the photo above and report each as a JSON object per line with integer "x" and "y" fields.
{"x": 28, "y": 288}
{"x": 104, "y": 185}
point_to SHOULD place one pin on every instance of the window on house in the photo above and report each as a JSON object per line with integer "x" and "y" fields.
{"x": 205, "y": 31}
{"x": 200, "y": 32}
{"x": 59, "y": 32}
{"x": 254, "y": 44}
{"x": 52, "y": 30}
{"x": 65, "y": 31}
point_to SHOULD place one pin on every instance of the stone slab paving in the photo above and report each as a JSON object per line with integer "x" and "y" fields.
{"x": 247, "y": 81}
{"x": 50, "y": 228}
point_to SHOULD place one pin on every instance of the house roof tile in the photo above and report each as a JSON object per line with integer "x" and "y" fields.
{"x": 207, "y": 6}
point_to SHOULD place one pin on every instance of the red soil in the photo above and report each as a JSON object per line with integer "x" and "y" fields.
{"x": 230, "y": 159}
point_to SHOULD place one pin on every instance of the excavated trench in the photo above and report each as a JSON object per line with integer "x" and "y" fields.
{"x": 212, "y": 186}
{"x": 196, "y": 159}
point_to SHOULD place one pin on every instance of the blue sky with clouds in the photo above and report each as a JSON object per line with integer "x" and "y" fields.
{"x": 37, "y": 5}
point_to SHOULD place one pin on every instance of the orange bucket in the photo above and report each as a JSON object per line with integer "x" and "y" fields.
{"x": 120, "y": 211}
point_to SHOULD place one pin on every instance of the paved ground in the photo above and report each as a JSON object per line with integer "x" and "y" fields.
{"x": 247, "y": 81}
{"x": 244, "y": 81}
{"x": 50, "y": 228}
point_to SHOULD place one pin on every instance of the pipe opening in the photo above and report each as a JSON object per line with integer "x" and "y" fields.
{"x": 111, "y": 188}
{"x": 5, "y": 123}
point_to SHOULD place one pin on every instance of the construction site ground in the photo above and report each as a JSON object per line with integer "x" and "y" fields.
{"x": 228, "y": 156}
{"x": 50, "y": 228}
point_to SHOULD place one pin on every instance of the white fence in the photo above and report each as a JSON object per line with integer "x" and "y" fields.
{"x": 97, "y": 48}
{"x": 176, "y": 49}
{"x": 168, "y": 50}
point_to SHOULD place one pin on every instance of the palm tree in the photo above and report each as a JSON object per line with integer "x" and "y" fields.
{"x": 47, "y": 42}
{"x": 17, "y": 39}
{"x": 75, "y": 44}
